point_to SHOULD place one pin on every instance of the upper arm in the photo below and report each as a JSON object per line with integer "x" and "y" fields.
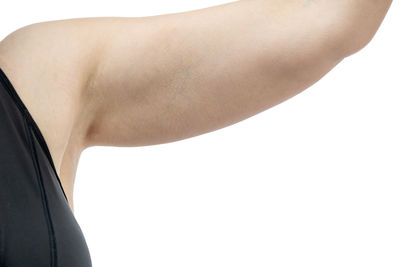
{"x": 163, "y": 78}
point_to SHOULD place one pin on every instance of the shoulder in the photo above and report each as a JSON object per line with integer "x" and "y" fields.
{"x": 50, "y": 64}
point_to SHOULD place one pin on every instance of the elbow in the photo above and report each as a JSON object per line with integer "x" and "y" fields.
{"x": 352, "y": 39}
{"x": 358, "y": 26}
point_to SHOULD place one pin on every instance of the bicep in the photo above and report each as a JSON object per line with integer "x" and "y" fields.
{"x": 165, "y": 78}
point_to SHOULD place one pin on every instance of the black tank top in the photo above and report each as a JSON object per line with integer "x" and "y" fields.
{"x": 37, "y": 226}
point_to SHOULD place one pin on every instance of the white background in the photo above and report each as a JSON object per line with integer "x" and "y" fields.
{"x": 313, "y": 181}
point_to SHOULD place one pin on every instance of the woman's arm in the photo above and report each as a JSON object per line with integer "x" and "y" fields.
{"x": 164, "y": 78}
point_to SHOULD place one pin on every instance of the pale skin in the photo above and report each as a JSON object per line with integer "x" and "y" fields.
{"x": 135, "y": 81}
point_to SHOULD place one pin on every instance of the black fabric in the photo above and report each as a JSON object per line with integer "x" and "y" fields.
{"x": 37, "y": 226}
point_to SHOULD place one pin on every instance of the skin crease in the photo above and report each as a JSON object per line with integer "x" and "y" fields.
{"x": 134, "y": 81}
